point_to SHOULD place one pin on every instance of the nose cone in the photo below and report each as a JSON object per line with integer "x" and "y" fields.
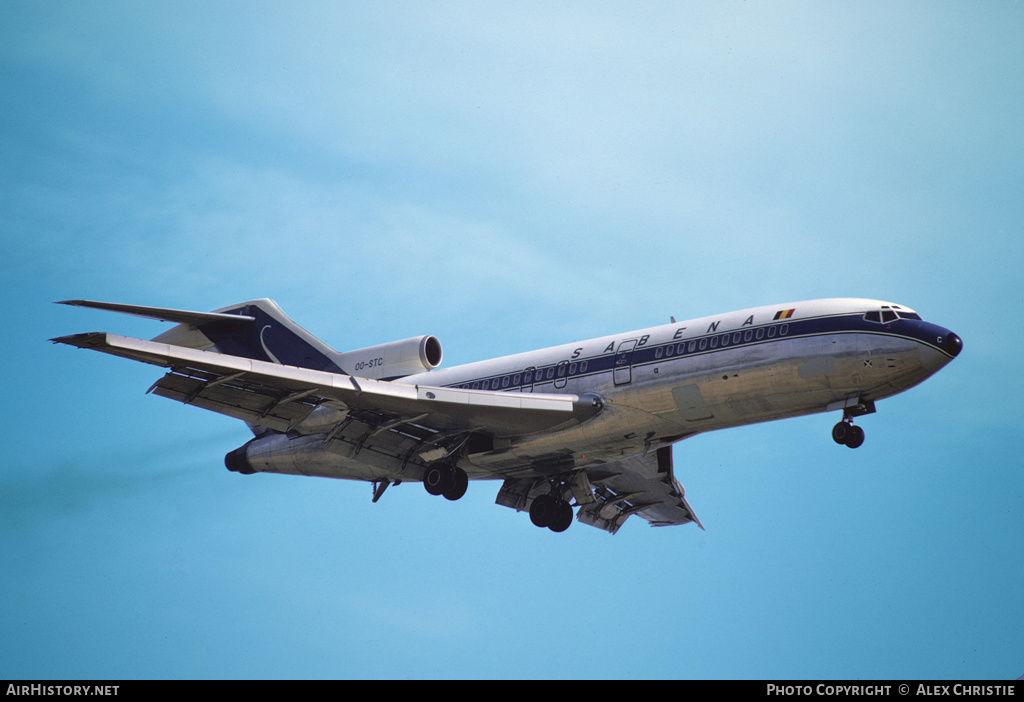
{"x": 944, "y": 347}
{"x": 953, "y": 344}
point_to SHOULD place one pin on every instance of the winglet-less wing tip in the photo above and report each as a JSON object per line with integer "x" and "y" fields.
{"x": 83, "y": 341}
{"x": 693, "y": 515}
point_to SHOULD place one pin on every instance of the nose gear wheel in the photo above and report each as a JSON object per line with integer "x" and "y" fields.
{"x": 848, "y": 434}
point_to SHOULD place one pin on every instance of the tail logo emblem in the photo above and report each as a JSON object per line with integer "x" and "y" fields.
{"x": 271, "y": 356}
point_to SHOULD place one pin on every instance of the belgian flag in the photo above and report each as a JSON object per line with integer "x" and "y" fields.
{"x": 784, "y": 314}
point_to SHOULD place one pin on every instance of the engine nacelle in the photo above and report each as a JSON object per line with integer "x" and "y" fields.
{"x": 393, "y": 360}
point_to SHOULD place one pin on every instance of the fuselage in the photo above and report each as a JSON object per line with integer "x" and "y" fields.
{"x": 654, "y": 386}
{"x": 664, "y": 383}
{"x": 595, "y": 430}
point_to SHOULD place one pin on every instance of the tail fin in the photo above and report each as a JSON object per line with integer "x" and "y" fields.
{"x": 256, "y": 329}
{"x": 272, "y": 336}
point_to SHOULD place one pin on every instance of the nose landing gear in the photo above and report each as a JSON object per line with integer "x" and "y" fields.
{"x": 847, "y": 433}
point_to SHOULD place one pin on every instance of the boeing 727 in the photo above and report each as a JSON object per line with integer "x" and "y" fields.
{"x": 587, "y": 426}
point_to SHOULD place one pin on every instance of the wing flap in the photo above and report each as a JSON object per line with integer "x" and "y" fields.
{"x": 643, "y": 485}
{"x": 268, "y": 409}
{"x": 442, "y": 409}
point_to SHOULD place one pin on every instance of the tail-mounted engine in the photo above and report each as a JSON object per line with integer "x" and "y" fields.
{"x": 393, "y": 360}
{"x": 259, "y": 329}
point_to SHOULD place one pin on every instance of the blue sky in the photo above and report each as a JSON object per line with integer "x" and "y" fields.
{"x": 508, "y": 177}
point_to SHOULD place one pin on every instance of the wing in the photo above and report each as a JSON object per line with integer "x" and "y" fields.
{"x": 281, "y": 397}
{"x": 608, "y": 494}
{"x": 644, "y": 485}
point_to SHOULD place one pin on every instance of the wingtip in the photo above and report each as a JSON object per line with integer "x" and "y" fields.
{"x": 82, "y": 341}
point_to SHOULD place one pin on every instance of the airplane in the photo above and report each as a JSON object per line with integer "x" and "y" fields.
{"x": 588, "y": 425}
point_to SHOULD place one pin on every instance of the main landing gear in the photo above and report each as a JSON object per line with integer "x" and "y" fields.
{"x": 552, "y": 509}
{"x": 447, "y": 480}
{"x": 847, "y": 433}
{"x": 551, "y": 512}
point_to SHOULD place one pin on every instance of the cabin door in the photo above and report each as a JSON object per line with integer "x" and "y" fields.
{"x": 624, "y": 362}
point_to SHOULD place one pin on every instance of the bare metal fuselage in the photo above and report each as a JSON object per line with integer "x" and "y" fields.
{"x": 654, "y": 387}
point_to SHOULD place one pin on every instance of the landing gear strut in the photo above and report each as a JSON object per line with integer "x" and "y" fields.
{"x": 847, "y": 433}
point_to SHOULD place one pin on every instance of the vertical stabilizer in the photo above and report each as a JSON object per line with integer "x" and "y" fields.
{"x": 270, "y": 336}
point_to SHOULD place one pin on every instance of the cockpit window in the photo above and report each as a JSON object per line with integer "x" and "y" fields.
{"x": 889, "y": 314}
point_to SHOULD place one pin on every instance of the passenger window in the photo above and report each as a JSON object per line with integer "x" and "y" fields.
{"x": 516, "y": 378}
{"x": 771, "y": 332}
{"x": 583, "y": 366}
{"x": 504, "y": 382}
{"x": 760, "y": 333}
{"x": 551, "y": 373}
{"x": 572, "y": 369}
{"x": 736, "y": 338}
{"x": 693, "y": 346}
{"x": 528, "y": 377}
{"x": 703, "y": 344}
{"x": 784, "y": 330}
{"x": 714, "y": 342}
{"x": 670, "y": 350}
{"x": 747, "y": 335}
{"x": 657, "y": 352}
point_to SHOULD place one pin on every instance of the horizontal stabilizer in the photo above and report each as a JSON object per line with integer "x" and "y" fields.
{"x": 164, "y": 314}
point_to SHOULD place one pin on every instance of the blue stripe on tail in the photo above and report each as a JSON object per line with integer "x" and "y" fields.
{"x": 271, "y": 337}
